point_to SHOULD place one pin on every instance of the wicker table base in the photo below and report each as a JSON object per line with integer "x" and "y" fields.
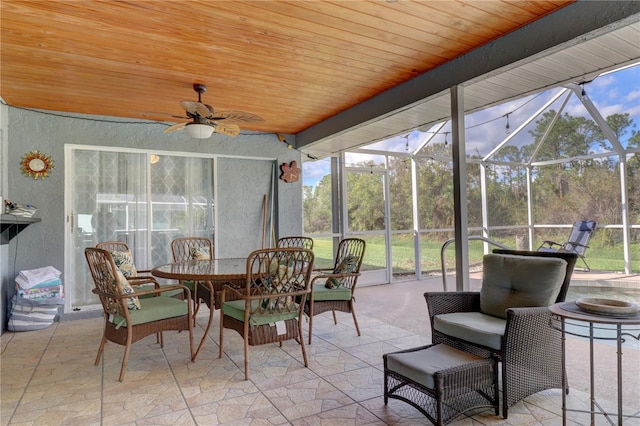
{"x": 462, "y": 386}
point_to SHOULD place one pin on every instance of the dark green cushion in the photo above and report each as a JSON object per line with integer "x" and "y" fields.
{"x": 154, "y": 309}
{"x": 235, "y": 309}
{"x": 147, "y": 287}
{"x": 510, "y": 281}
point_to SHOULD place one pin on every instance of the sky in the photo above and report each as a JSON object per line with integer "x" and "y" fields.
{"x": 613, "y": 93}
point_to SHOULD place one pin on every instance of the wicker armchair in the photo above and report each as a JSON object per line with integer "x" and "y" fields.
{"x": 122, "y": 247}
{"x": 192, "y": 248}
{"x": 332, "y": 289}
{"x": 508, "y": 319}
{"x": 269, "y": 308}
{"x": 138, "y": 278}
{"x": 131, "y": 318}
{"x": 300, "y": 242}
{"x": 195, "y": 248}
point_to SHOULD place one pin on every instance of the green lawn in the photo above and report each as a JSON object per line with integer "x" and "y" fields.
{"x": 598, "y": 258}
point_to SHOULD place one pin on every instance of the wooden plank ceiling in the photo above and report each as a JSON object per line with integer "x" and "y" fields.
{"x": 294, "y": 63}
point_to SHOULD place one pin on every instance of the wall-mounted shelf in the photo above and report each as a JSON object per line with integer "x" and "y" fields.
{"x": 13, "y": 225}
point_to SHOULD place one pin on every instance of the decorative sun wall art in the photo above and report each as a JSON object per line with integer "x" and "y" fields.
{"x": 36, "y": 164}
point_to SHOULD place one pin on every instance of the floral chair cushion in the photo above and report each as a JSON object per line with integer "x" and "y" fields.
{"x": 348, "y": 265}
{"x": 132, "y": 302}
{"x": 199, "y": 253}
{"x": 124, "y": 263}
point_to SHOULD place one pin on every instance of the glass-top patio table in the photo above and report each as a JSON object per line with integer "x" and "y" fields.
{"x": 211, "y": 275}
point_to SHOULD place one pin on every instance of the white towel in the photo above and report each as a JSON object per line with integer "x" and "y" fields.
{"x": 32, "y": 277}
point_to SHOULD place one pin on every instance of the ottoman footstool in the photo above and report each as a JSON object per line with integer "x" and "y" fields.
{"x": 440, "y": 381}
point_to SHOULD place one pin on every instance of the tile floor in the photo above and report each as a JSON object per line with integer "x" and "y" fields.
{"x": 48, "y": 377}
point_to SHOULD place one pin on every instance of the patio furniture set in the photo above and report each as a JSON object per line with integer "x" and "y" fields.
{"x": 506, "y": 325}
{"x": 261, "y": 297}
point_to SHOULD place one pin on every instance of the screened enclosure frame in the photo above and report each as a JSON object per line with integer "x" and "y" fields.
{"x": 529, "y": 166}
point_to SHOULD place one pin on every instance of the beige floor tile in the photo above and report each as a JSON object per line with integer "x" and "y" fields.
{"x": 306, "y": 398}
{"x": 371, "y": 353}
{"x": 360, "y": 384}
{"x": 48, "y": 377}
{"x": 177, "y": 418}
{"x": 396, "y": 412}
{"x": 352, "y": 414}
{"x": 250, "y": 409}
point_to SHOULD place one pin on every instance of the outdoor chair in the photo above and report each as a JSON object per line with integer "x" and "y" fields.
{"x": 129, "y": 318}
{"x": 577, "y": 242}
{"x": 332, "y": 289}
{"x": 300, "y": 242}
{"x": 508, "y": 319}
{"x": 123, "y": 258}
{"x": 138, "y": 278}
{"x": 269, "y": 308}
{"x": 194, "y": 248}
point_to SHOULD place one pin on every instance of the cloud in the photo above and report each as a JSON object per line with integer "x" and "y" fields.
{"x": 632, "y": 96}
{"x": 313, "y": 171}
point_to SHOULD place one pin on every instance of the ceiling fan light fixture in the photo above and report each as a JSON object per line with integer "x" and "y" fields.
{"x": 200, "y": 131}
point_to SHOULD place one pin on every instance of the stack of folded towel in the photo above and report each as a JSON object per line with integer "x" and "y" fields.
{"x": 42, "y": 284}
{"x": 36, "y": 304}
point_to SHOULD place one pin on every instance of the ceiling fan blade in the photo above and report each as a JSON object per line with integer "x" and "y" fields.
{"x": 228, "y": 129}
{"x": 196, "y": 108}
{"x": 236, "y": 117}
{"x": 175, "y": 127}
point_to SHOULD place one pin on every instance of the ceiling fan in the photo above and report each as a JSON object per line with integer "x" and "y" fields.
{"x": 205, "y": 120}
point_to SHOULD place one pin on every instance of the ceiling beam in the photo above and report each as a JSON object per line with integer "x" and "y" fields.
{"x": 570, "y": 25}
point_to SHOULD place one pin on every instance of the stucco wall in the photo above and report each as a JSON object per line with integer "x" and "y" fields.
{"x": 4, "y": 256}
{"x": 42, "y": 244}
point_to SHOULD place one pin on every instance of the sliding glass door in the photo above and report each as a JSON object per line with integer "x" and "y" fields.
{"x": 141, "y": 198}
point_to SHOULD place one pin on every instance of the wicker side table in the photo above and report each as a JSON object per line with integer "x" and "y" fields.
{"x": 440, "y": 381}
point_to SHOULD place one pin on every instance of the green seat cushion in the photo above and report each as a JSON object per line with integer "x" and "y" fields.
{"x": 420, "y": 366}
{"x": 191, "y": 285}
{"x": 154, "y": 309}
{"x": 510, "y": 281}
{"x": 235, "y": 309}
{"x": 474, "y": 327}
{"x": 146, "y": 287}
{"x": 320, "y": 292}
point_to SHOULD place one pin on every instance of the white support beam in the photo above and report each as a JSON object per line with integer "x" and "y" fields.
{"x": 416, "y": 217}
{"x": 485, "y": 205}
{"x": 530, "y": 221}
{"x": 626, "y": 227}
{"x": 525, "y": 124}
{"x": 597, "y": 117}
{"x": 461, "y": 219}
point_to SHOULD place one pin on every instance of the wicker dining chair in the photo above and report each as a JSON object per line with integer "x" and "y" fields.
{"x": 269, "y": 308}
{"x": 128, "y": 316}
{"x": 194, "y": 248}
{"x": 123, "y": 258}
{"x": 295, "y": 241}
{"x": 332, "y": 289}
{"x": 122, "y": 247}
